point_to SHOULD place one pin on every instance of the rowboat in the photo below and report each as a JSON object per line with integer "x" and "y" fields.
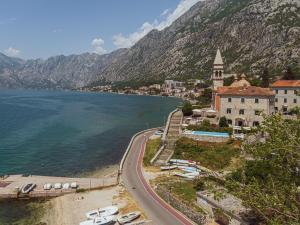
{"x": 74, "y": 185}
{"x": 103, "y": 212}
{"x": 28, "y": 188}
{"x": 47, "y": 187}
{"x": 182, "y": 162}
{"x": 188, "y": 169}
{"x": 66, "y": 186}
{"x": 168, "y": 167}
{"x": 187, "y": 175}
{"x": 100, "y": 221}
{"x": 57, "y": 186}
{"x": 129, "y": 217}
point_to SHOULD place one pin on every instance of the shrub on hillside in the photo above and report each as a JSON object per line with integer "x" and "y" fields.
{"x": 223, "y": 122}
{"x": 187, "y": 109}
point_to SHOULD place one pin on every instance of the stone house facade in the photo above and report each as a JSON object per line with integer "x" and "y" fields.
{"x": 245, "y": 106}
{"x": 287, "y": 94}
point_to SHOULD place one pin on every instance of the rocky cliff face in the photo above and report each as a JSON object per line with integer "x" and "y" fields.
{"x": 251, "y": 34}
{"x": 56, "y": 72}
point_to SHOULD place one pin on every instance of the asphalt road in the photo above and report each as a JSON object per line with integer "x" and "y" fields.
{"x": 156, "y": 209}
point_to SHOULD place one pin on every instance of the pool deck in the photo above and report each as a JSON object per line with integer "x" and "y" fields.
{"x": 9, "y": 184}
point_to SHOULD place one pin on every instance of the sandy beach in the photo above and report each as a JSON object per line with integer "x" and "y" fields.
{"x": 70, "y": 209}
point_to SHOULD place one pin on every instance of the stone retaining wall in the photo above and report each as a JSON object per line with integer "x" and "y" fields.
{"x": 180, "y": 206}
{"x": 204, "y": 138}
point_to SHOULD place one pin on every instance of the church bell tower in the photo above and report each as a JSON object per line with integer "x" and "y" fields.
{"x": 218, "y": 71}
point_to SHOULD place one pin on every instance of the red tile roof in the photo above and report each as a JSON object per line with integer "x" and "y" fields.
{"x": 286, "y": 83}
{"x": 245, "y": 91}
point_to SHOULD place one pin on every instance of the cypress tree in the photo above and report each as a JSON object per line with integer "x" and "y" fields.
{"x": 265, "y": 78}
{"x": 289, "y": 75}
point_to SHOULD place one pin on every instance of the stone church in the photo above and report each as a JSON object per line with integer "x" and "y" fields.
{"x": 242, "y": 104}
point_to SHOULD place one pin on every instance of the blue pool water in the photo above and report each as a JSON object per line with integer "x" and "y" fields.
{"x": 212, "y": 134}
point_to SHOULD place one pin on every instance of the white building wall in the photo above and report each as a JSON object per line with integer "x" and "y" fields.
{"x": 287, "y": 94}
{"x": 265, "y": 105}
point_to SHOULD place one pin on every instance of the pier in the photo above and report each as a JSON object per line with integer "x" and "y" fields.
{"x": 10, "y": 185}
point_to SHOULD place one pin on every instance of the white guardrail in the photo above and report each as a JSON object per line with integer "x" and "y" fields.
{"x": 130, "y": 144}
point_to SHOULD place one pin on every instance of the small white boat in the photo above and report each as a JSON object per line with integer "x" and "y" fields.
{"x": 66, "y": 186}
{"x": 100, "y": 221}
{"x": 196, "y": 173}
{"x": 57, "y": 186}
{"x": 187, "y": 175}
{"x": 28, "y": 188}
{"x": 168, "y": 167}
{"x": 47, "y": 187}
{"x": 129, "y": 217}
{"x": 188, "y": 169}
{"x": 74, "y": 185}
{"x": 103, "y": 212}
{"x": 182, "y": 162}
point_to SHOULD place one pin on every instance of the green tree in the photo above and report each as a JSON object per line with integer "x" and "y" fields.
{"x": 295, "y": 110}
{"x": 228, "y": 80}
{"x": 207, "y": 93}
{"x": 206, "y": 123}
{"x": 265, "y": 78}
{"x": 187, "y": 109}
{"x": 255, "y": 82}
{"x": 223, "y": 122}
{"x": 269, "y": 183}
{"x": 289, "y": 75}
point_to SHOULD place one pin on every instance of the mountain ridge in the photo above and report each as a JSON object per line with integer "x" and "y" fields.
{"x": 251, "y": 34}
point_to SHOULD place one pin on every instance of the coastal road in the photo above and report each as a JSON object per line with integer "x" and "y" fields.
{"x": 132, "y": 175}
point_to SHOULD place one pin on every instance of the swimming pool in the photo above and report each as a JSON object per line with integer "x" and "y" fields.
{"x": 212, "y": 134}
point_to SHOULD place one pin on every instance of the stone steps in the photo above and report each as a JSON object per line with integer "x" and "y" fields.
{"x": 172, "y": 136}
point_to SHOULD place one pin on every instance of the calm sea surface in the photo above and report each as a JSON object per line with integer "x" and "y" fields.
{"x": 67, "y": 133}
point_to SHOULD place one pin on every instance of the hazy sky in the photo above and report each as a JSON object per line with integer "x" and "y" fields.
{"x": 42, "y": 28}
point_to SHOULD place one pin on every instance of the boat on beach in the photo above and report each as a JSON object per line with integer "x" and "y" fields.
{"x": 188, "y": 169}
{"x": 181, "y": 162}
{"x": 129, "y": 217}
{"x": 107, "y": 220}
{"x": 47, "y": 187}
{"x": 187, "y": 175}
{"x": 57, "y": 186}
{"x": 28, "y": 188}
{"x": 74, "y": 185}
{"x": 102, "y": 212}
{"x": 168, "y": 168}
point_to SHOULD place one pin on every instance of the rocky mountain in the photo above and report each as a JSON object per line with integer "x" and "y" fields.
{"x": 251, "y": 34}
{"x": 56, "y": 72}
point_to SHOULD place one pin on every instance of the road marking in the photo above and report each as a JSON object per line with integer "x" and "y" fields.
{"x": 180, "y": 217}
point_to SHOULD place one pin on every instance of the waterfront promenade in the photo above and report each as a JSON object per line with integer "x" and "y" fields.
{"x": 10, "y": 184}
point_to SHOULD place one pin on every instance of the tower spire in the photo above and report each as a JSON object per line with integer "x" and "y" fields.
{"x": 218, "y": 59}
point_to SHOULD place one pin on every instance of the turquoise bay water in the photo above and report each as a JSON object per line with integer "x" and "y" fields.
{"x": 67, "y": 133}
